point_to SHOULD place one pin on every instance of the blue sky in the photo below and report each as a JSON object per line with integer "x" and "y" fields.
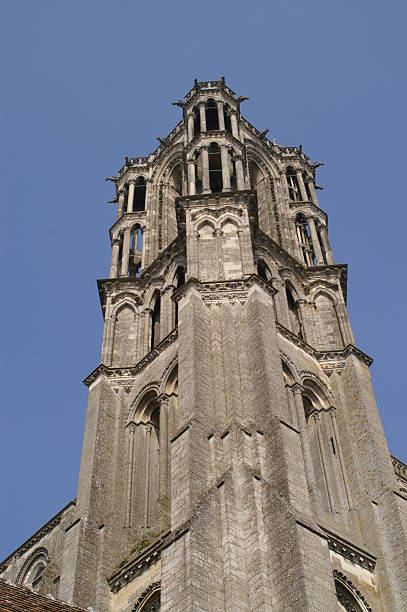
{"x": 86, "y": 83}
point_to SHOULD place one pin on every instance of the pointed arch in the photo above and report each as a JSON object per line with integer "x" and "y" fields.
{"x": 124, "y": 335}
{"x": 155, "y": 320}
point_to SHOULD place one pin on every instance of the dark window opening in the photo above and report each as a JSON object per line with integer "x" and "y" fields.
{"x": 226, "y": 116}
{"x": 197, "y": 121}
{"x": 333, "y": 446}
{"x": 155, "y": 323}
{"x": 293, "y": 187}
{"x": 140, "y": 194}
{"x": 215, "y": 168}
{"x": 264, "y": 272}
{"x": 304, "y": 240}
{"x": 212, "y": 119}
{"x": 308, "y": 406}
{"x": 295, "y": 319}
{"x": 136, "y": 250}
{"x": 233, "y": 179}
{"x": 179, "y": 281}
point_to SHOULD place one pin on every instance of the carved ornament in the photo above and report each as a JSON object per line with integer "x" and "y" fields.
{"x": 130, "y": 372}
{"x": 348, "y": 600}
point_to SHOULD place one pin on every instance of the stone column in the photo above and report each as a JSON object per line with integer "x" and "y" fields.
{"x": 164, "y": 480}
{"x": 233, "y": 122}
{"x": 306, "y": 450}
{"x": 327, "y": 247}
{"x": 125, "y": 253}
{"x": 206, "y": 187}
{"x": 122, "y": 195}
{"x": 130, "y": 197}
{"x": 225, "y": 168}
{"x": 191, "y": 177}
{"x": 115, "y": 258}
{"x": 313, "y": 192}
{"x": 239, "y": 174}
{"x": 190, "y": 124}
{"x": 149, "y": 428}
{"x": 301, "y": 185}
{"x": 221, "y": 118}
{"x": 315, "y": 242}
{"x": 202, "y": 116}
{"x": 130, "y": 472}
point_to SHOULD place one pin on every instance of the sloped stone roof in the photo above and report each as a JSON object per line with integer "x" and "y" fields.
{"x": 21, "y": 599}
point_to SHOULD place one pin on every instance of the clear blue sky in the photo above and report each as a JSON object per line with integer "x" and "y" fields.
{"x": 85, "y": 83}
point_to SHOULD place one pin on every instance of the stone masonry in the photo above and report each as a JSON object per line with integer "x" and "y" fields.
{"x": 233, "y": 455}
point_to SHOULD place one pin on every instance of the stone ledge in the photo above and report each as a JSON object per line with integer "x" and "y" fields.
{"x": 350, "y": 551}
{"x": 127, "y": 373}
{"x": 329, "y": 360}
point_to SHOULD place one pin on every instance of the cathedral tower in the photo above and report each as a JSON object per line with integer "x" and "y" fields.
{"x": 233, "y": 455}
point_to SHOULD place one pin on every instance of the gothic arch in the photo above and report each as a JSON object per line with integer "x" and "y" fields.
{"x": 126, "y": 301}
{"x": 169, "y": 377}
{"x": 315, "y": 386}
{"x": 149, "y": 601}
{"x": 33, "y": 567}
{"x": 165, "y": 166}
{"x": 139, "y": 411}
{"x": 265, "y": 162}
{"x": 349, "y": 597}
{"x": 229, "y": 220}
{"x": 205, "y": 223}
{"x": 290, "y": 365}
{"x": 318, "y": 291}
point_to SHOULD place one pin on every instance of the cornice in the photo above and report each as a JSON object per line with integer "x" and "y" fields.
{"x": 350, "y": 551}
{"x": 305, "y": 205}
{"x": 37, "y": 537}
{"x": 329, "y": 361}
{"x": 106, "y": 286}
{"x": 128, "y": 373}
{"x": 136, "y": 566}
{"x": 217, "y": 292}
{"x": 128, "y": 219}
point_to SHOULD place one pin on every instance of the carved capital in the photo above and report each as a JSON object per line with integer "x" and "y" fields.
{"x": 296, "y": 388}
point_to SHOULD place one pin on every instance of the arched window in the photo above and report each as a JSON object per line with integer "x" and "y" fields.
{"x": 295, "y": 320}
{"x": 264, "y": 272}
{"x": 155, "y": 321}
{"x": 324, "y": 443}
{"x": 150, "y": 604}
{"x": 215, "y": 168}
{"x": 293, "y": 187}
{"x": 226, "y": 117}
{"x": 197, "y": 121}
{"x": 140, "y": 194}
{"x": 179, "y": 280}
{"x": 346, "y": 599}
{"x": 304, "y": 240}
{"x": 136, "y": 251}
{"x": 212, "y": 120}
{"x": 33, "y": 574}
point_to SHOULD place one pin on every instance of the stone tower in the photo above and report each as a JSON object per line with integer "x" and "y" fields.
{"x": 233, "y": 455}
